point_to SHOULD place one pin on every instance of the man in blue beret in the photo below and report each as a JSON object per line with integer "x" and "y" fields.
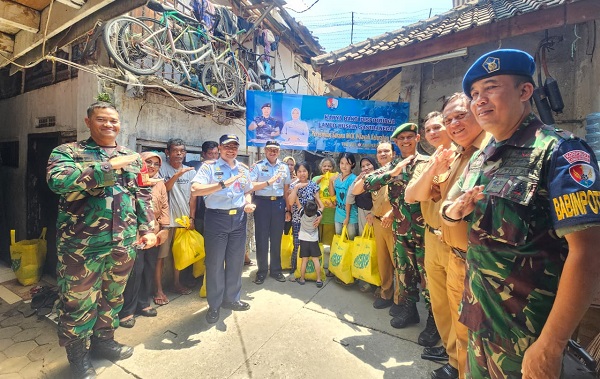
{"x": 266, "y": 126}
{"x": 532, "y": 200}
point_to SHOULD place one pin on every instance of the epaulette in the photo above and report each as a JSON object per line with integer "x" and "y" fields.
{"x": 563, "y": 133}
{"x": 209, "y": 162}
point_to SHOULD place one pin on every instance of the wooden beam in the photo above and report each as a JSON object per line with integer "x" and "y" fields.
{"x": 17, "y": 15}
{"x": 102, "y": 10}
{"x": 72, "y": 3}
{"x": 7, "y": 43}
{"x": 566, "y": 14}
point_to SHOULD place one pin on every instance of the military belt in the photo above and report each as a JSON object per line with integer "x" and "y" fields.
{"x": 231, "y": 212}
{"x": 432, "y": 229}
{"x": 459, "y": 253}
{"x": 271, "y": 198}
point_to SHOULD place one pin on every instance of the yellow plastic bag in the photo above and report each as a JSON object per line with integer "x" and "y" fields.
{"x": 27, "y": 258}
{"x": 188, "y": 245}
{"x": 364, "y": 258}
{"x": 199, "y": 268}
{"x": 340, "y": 257}
{"x": 310, "y": 273}
{"x": 287, "y": 249}
{"x": 328, "y": 201}
{"x": 203, "y": 288}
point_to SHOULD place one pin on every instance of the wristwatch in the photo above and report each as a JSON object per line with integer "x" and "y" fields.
{"x": 222, "y": 184}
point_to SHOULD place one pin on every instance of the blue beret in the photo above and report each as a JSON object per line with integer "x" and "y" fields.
{"x": 499, "y": 62}
{"x": 406, "y": 127}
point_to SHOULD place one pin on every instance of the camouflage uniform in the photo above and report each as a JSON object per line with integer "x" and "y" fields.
{"x": 408, "y": 227}
{"x": 271, "y": 125}
{"x": 99, "y": 214}
{"x": 514, "y": 256}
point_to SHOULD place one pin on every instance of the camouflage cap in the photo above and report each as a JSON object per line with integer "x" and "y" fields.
{"x": 406, "y": 127}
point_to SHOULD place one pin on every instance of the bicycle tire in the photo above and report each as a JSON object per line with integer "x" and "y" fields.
{"x": 126, "y": 45}
{"x": 221, "y": 84}
{"x": 242, "y": 73}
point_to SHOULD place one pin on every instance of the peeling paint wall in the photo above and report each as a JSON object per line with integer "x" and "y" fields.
{"x": 574, "y": 63}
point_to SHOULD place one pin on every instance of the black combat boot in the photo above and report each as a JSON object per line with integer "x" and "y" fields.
{"x": 79, "y": 359}
{"x": 407, "y": 315}
{"x": 110, "y": 349}
{"x": 430, "y": 335}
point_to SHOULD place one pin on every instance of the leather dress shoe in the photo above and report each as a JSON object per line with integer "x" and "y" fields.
{"x": 445, "y": 372}
{"x": 110, "y": 349}
{"x": 260, "y": 279}
{"x": 437, "y": 353}
{"x": 408, "y": 315}
{"x": 279, "y": 277}
{"x": 212, "y": 315}
{"x": 151, "y": 312}
{"x": 236, "y": 306}
{"x": 380, "y": 303}
{"x": 395, "y": 310}
{"x": 430, "y": 335}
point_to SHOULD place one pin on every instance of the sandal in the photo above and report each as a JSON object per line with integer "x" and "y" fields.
{"x": 129, "y": 323}
{"x": 300, "y": 281}
{"x": 329, "y": 274}
{"x": 182, "y": 291}
{"x": 249, "y": 263}
{"x": 160, "y": 301}
{"x": 292, "y": 278}
{"x": 319, "y": 284}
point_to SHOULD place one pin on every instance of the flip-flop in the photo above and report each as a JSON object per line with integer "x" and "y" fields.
{"x": 182, "y": 291}
{"x": 160, "y": 301}
{"x": 249, "y": 263}
{"x": 319, "y": 284}
{"x": 301, "y": 282}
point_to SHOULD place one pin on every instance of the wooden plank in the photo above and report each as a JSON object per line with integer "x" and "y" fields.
{"x": 515, "y": 26}
{"x": 62, "y": 18}
{"x": 105, "y": 11}
{"x": 8, "y": 29}
{"x": 38, "y": 5}
{"x": 72, "y": 3}
{"x": 7, "y": 43}
{"x": 17, "y": 15}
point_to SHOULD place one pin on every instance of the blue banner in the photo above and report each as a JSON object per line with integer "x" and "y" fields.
{"x": 312, "y": 123}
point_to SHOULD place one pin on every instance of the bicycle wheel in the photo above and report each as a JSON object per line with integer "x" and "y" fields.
{"x": 220, "y": 81}
{"x": 131, "y": 45}
{"x": 243, "y": 79}
{"x": 172, "y": 69}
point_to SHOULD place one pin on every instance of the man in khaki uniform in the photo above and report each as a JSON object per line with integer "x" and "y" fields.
{"x": 468, "y": 135}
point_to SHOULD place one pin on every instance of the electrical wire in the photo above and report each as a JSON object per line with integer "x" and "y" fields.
{"x": 312, "y": 5}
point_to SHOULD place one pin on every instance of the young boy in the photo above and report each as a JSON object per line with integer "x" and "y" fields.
{"x": 309, "y": 240}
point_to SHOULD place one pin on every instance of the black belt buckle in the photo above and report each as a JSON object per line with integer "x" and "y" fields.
{"x": 459, "y": 253}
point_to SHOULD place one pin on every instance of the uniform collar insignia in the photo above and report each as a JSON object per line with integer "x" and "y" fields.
{"x": 491, "y": 64}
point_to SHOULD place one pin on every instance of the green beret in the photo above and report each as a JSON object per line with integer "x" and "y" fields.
{"x": 406, "y": 127}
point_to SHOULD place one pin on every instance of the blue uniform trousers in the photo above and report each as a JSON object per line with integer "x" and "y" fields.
{"x": 269, "y": 218}
{"x": 224, "y": 242}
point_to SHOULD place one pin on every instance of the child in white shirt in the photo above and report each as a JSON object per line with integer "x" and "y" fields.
{"x": 309, "y": 240}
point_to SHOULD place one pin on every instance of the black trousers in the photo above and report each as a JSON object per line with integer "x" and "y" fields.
{"x": 269, "y": 218}
{"x": 138, "y": 290}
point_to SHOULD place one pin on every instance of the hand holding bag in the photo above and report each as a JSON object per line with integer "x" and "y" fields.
{"x": 188, "y": 245}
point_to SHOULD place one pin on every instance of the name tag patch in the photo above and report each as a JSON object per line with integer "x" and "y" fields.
{"x": 576, "y": 204}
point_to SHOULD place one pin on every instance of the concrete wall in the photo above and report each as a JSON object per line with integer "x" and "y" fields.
{"x": 426, "y": 85}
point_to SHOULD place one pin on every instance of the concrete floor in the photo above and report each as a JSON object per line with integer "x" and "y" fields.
{"x": 290, "y": 331}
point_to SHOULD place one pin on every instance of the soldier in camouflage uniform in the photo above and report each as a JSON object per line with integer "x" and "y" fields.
{"x": 408, "y": 224}
{"x": 101, "y": 211}
{"x": 532, "y": 199}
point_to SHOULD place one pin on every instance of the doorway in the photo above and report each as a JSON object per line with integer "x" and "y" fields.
{"x": 42, "y": 204}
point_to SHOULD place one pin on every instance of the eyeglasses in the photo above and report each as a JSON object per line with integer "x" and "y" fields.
{"x": 407, "y": 138}
{"x": 152, "y": 164}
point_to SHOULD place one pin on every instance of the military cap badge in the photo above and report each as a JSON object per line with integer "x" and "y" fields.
{"x": 491, "y": 64}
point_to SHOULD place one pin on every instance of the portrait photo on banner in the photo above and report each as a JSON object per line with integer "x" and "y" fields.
{"x": 303, "y": 122}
